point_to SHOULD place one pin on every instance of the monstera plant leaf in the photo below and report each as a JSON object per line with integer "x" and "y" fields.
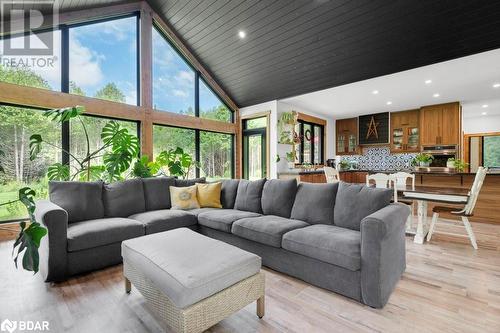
{"x": 28, "y": 240}
{"x": 95, "y": 172}
{"x": 64, "y": 114}
{"x": 58, "y": 171}
{"x": 142, "y": 168}
{"x": 116, "y": 163}
{"x": 35, "y": 145}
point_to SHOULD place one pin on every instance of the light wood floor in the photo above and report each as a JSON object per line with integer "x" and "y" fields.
{"x": 447, "y": 287}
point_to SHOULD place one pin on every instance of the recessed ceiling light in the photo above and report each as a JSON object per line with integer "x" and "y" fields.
{"x": 242, "y": 34}
{"x": 428, "y": 81}
{"x": 496, "y": 85}
{"x": 388, "y": 103}
{"x": 436, "y": 95}
{"x": 375, "y": 92}
{"x": 484, "y": 113}
{"x": 484, "y": 106}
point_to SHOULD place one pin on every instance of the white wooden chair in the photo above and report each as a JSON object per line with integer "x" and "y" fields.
{"x": 381, "y": 180}
{"x": 464, "y": 213}
{"x": 400, "y": 179}
{"x": 332, "y": 175}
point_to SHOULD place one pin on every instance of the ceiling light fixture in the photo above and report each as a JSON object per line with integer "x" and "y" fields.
{"x": 388, "y": 103}
{"x": 484, "y": 106}
{"x": 242, "y": 34}
{"x": 436, "y": 95}
{"x": 484, "y": 113}
{"x": 375, "y": 92}
{"x": 496, "y": 85}
{"x": 428, "y": 81}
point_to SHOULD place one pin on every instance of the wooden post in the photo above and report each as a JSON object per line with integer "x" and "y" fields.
{"x": 261, "y": 306}
{"x": 146, "y": 67}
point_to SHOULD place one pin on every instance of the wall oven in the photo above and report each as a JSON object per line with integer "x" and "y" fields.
{"x": 441, "y": 154}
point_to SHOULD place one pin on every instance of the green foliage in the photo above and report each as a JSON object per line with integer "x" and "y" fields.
{"x": 178, "y": 162}
{"x": 344, "y": 164}
{"x": 422, "y": 158}
{"x": 95, "y": 172}
{"x": 64, "y": 114}
{"x": 35, "y": 145}
{"x": 142, "y": 168}
{"x": 58, "y": 171}
{"x": 290, "y": 156}
{"x": 458, "y": 164}
{"x": 110, "y": 92}
{"x": 28, "y": 240}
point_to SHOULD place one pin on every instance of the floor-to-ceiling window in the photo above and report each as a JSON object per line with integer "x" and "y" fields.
{"x": 310, "y": 149}
{"x": 254, "y": 148}
{"x": 211, "y": 106}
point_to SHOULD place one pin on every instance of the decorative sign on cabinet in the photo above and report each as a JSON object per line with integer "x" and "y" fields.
{"x": 374, "y": 129}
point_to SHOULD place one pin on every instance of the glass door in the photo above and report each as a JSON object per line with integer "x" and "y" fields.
{"x": 254, "y": 148}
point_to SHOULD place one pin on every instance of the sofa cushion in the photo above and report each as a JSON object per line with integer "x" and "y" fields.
{"x": 278, "y": 197}
{"x": 328, "y": 243}
{"x": 249, "y": 195}
{"x": 266, "y": 229}
{"x": 189, "y": 182}
{"x": 228, "y": 192}
{"x": 222, "y": 219}
{"x": 122, "y": 199}
{"x": 184, "y": 197}
{"x": 157, "y": 192}
{"x": 198, "y": 211}
{"x": 354, "y": 202}
{"x": 81, "y": 200}
{"x": 188, "y": 267}
{"x": 314, "y": 203}
{"x": 209, "y": 195}
{"x": 93, "y": 233}
{"x": 165, "y": 219}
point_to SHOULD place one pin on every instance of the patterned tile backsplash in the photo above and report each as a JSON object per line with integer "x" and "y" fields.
{"x": 380, "y": 158}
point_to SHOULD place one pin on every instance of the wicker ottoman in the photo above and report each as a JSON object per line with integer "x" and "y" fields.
{"x": 191, "y": 281}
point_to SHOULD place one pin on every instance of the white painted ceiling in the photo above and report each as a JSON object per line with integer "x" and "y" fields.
{"x": 469, "y": 80}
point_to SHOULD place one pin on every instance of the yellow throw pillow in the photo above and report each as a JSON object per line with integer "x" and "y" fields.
{"x": 209, "y": 195}
{"x": 184, "y": 197}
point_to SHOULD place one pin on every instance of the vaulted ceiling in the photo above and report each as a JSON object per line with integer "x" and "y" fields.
{"x": 298, "y": 46}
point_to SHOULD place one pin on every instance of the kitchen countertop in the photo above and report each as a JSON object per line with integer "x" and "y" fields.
{"x": 291, "y": 172}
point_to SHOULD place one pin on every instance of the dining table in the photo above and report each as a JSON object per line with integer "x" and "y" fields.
{"x": 425, "y": 194}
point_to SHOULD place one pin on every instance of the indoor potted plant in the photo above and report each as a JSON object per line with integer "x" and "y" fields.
{"x": 457, "y": 164}
{"x": 423, "y": 160}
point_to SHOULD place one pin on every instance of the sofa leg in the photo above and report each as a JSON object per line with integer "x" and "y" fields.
{"x": 128, "y": 285}
{"x": 261, "y": 307}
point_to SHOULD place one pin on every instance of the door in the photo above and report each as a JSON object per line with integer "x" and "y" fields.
{"x": 430, "y": 124}
{"x": 450, "y": 127}
{"x": 254, "y": 148}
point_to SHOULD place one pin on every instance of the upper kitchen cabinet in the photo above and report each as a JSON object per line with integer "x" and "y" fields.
{"x": 440, "y": 124}
{"x": 405, "y": 131}
{"x": 347, "y": 136}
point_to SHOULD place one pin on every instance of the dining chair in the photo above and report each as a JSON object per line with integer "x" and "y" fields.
{"x": 466, "y": 211}
{"x": 332, "y": 175}
{"x": 400, "y": 179}
{"x": 381, "y": 180}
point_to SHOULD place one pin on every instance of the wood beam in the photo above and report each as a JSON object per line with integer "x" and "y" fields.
{"x": 146, "y": 68}
{"x": 174, "y": 119}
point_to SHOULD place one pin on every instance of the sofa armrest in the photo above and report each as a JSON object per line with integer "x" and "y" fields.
{"x": 383, "y": 253}
{"x": 53, "y": 247}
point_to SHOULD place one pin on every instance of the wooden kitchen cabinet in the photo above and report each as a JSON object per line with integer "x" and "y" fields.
{"x": 405, "y": 131}
{"x": 353, "y": 176}
{"x": 347, "y": 136}
{"x": 313, "y": 178}
{"x": 440, "y": 124}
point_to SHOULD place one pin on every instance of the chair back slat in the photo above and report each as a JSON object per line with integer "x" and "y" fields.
{"x": 475, "y": 189}
{"x": 332, "y": 175}
{"x": 399, "y": 180}
{"x": 381, "y": 180}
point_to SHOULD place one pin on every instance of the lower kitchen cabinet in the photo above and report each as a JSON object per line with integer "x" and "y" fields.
{"x": 353, "y": 176}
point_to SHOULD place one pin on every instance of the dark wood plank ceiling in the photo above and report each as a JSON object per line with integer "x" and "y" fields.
{"x": 298, "y": 46}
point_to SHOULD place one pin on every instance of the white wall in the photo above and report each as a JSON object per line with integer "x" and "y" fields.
{"x": 481, "y": 124}
{"x": 272, "y": 133}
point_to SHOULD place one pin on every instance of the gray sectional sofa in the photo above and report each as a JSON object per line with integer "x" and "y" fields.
{"x": 347, "y": 238}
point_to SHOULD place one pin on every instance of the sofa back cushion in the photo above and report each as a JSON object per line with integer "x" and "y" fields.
{"x": 122, "y": 199}
{"x": 157, "y": 192}
{"x": 228, "y": 192}
{"x": 249, "y": 195}
{"x": 278, "y": 197}
{"x": 314, "y": 203}
{"x": 355, "y": 202}
{"x": 82, "y": 200}
{"x": 189, "y": 182}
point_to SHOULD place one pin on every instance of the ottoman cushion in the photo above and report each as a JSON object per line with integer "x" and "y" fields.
{"x": 188, "y": 267}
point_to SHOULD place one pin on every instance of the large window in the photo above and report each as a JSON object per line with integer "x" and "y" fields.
{"x": 103, "y": 60}
{"x": 35, "y": 71}
{"x": 211, "y": 106}
{"x": 173, "y": 79}
{"x": 310, "y": 150}
{"x": 216, "y": 155}
{"x": 16, "y": 126}
{"x": 167, "y": 137}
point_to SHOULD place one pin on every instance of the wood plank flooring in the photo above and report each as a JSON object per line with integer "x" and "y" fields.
{"x": 447, "y": 287}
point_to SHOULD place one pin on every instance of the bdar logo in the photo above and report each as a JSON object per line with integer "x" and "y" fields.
{"x": 9, "y": 326}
